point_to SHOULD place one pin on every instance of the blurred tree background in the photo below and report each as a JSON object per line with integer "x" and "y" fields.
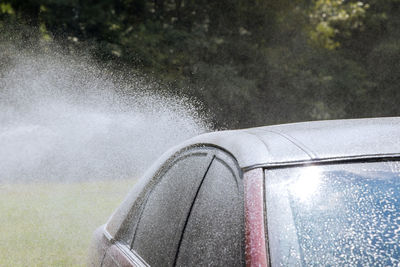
{"x": 250, "y": 62}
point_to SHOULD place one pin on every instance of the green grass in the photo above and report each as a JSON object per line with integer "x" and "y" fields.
{"x": 51, "y": 224}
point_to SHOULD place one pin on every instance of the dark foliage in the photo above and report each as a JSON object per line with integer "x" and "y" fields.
{"x": 250, "y": 62}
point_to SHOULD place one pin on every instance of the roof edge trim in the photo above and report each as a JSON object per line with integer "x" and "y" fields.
{"x": 335, "y": 160}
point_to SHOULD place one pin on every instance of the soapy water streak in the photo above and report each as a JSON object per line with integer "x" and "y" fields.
{"x": 64, "y": 119}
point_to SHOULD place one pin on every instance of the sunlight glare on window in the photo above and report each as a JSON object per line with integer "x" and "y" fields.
{"x": 307, "y": 184}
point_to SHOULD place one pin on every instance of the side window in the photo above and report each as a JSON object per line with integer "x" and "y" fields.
{"x": 158, "y": 232}
{"x": 214, "y": 234}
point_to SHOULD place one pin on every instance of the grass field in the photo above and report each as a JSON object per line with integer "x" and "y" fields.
{"x": 51, "y": 224}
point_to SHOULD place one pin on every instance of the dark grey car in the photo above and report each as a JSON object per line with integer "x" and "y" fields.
{"x": 304, "y": 194}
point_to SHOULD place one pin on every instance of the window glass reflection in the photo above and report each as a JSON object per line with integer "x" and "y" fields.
{"x": 334, "y": 215}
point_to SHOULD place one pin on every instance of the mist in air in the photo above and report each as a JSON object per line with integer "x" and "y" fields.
{"x": 63, "y": 118}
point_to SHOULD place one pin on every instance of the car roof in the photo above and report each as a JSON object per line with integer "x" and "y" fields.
{"x": 307, "y": 141}
{"x": 286, "y": 144}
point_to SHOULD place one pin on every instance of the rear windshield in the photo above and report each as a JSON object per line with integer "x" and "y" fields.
{"x": 336, "y": 215}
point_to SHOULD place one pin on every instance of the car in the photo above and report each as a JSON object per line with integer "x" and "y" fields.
{"x": 302, "y": 194}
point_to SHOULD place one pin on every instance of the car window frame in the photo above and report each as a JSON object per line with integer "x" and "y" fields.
{"x": 141, "y": 200}
{"x": 230, "y": 162}
{"x": 209, "y": 159}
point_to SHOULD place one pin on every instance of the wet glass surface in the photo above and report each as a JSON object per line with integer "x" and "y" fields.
{"x": 335, "y": 215}
{"x": 214, "y": 234}
{"x": 161, "y": 224}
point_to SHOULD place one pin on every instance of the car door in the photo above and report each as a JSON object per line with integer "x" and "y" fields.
{"x": 156, "y": 229}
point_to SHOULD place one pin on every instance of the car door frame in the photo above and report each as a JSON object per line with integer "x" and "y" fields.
{"x": 230, "y": 161}
{"x": 121, "y": 251}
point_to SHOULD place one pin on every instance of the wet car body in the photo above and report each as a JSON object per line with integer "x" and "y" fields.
{"x": 312, "y": 193}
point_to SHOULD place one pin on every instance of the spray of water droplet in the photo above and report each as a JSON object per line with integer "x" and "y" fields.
{"x": 63, "y": 118}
